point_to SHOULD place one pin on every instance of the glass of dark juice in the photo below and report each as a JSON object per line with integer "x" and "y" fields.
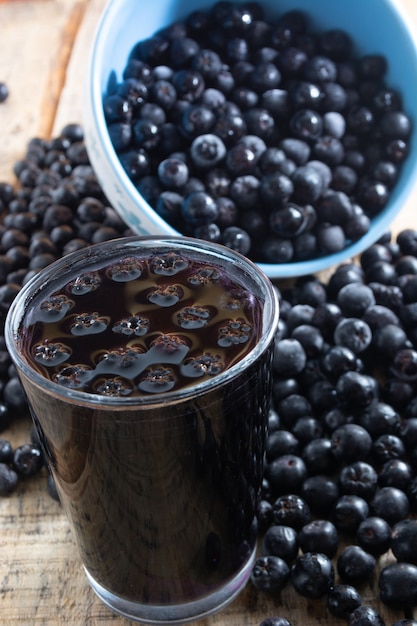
{"x": 147, "y": 367}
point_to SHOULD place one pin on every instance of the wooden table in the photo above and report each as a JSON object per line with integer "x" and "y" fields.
{"x": 43, "y": 50}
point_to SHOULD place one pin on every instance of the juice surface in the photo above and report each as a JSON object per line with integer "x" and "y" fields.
{"x": 144, "y": 324}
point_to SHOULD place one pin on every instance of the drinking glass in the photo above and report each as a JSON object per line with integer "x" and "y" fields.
{"x": 160, "y": 489}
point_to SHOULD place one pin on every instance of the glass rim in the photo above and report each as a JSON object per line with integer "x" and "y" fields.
{"x": 47, "y": 275}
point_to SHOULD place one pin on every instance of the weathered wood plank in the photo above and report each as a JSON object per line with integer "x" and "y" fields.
{"x": 36, "y": 43}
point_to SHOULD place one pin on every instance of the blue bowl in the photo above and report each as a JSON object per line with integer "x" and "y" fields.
{"x": 376, "y": 26}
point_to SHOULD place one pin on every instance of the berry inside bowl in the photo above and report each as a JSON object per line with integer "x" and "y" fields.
{"x": 345, "y": 177}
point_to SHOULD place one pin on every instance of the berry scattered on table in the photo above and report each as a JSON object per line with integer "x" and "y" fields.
{"x": 270, "y": 573}
{"x": 27, "y": 459}
{"x": 312, "y": 575}
{"x": 398, "y": 585}
{"x": 4, "y": 92}
{"x": 282, "y": 621}
{"x": 8, "y": 479}
{"x": 374, "y": 535}
{"x": 342, "y": 600}
{"x": 404, "y": 540}
{"x": 365, "y": 615}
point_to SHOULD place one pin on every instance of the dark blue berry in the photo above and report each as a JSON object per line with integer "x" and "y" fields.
{"x": 14, "y": 396}
{"x": 391, "y": 504}
{"x": 359, "y": 479}
{"x": 396, "y": 473}
{"x": 281, "y": 541}
{"x": 199, "y": 208}
{"x": 8, "y": 479}
{"x": 351, "y": 442}
{"x": 196, "y": 120}
{"x": 207, "y": 62}
{"x": 120, "y": 134}
{"x": 265, "y": 76}
{"x": 349, "y": 512}
{"x": 317, "y": 455}
{"x": 387, "y": 447}
{"x": 290, "y": 220}
{"x": 320, "y": 69}
{"x": 27, "y": 460}
{"x": 280, "y": 442}
{"x": 308, "y": 184}
{"x": 189, "y": 84}
{"x": 320, "y": 535}
{"x": 244, "y": 191}
{"x": 380, "y": 418}
{"x": 354, "y": 333}
{"x": 372, "y": 195}
{"x": 173, "y": 172}
{"x": 404, "y": 364}
{"x": 306, "y": 124}
{"x": 342, "y": 600}
{"x": 330, "y": 238}
{"x": 282, "y": 621}
{"x": 237, "y": 239}
{"x": 374, "y": 535}
{"x": 270, "y": 573}
{"x": 354, "y": 299}
{"x": 6, "y": 416}
{"x": 6, "y": 451}
{"x": 365, "y": 615}
{"x": 312, "y": 575}
{"x": 354, "y": 565}
{"x": 398, "y": 585}
{"x": 287, "y": 473}
{"x": 291, "y": 510}
{"x": 289, "y": 357}
{"x": 305, "y": 95}
{"x": 404, "y": 540}
{"x": 320, "y": 493}
{"x": 4, "y": 92}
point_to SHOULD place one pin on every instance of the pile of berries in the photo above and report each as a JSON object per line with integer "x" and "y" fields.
{"x": 265, "y": 136}
{"x": 340, "y": 484}
{"x": 57, "y": 207}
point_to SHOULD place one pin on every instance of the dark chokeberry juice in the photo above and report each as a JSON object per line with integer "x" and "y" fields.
{"x": 147, "y": 370}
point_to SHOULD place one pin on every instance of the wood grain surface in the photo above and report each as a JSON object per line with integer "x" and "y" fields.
{"x": 43, "y": 50}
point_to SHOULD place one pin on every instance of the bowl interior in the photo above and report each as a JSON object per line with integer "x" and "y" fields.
{"x": 376, "y": 26}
